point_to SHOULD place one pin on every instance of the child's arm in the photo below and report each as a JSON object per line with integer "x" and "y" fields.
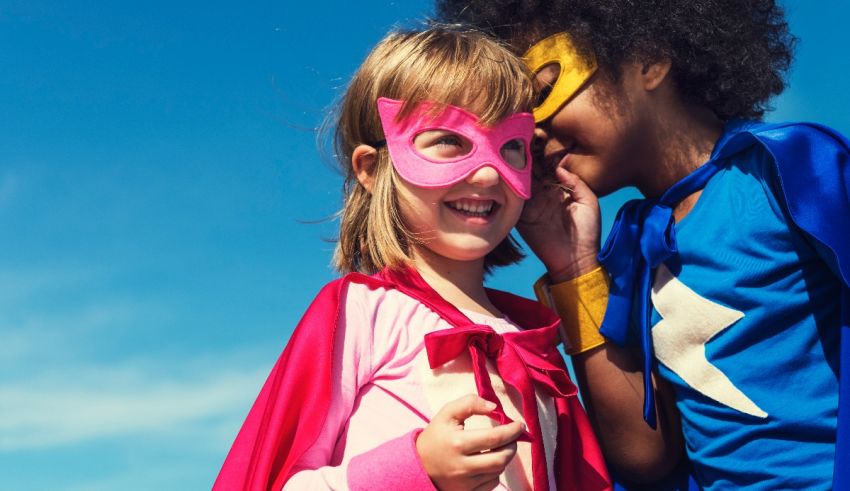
{"x": 391, "y": 465}
{"x": 565, "y": 236}
{"x": 611, "y": 383}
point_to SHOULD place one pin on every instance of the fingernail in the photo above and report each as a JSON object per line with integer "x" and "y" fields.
{"x": 489, "y": 405}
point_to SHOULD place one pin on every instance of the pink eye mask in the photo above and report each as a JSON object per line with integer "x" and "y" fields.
{"x": 486, "y": 145}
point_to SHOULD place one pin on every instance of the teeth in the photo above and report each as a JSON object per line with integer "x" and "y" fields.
{"x": 474, "y": 207}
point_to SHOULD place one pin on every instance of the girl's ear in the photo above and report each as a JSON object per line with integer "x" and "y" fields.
{"x": 655, "y": 73}
{"x": 363, "y": 160}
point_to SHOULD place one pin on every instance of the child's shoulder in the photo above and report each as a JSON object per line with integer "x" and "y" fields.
{"x": 794, "y": 152}
{"x": 805, "y": 130}
{"x": 339, "y": 286}
{"x": 336, "y": 293}
{"x": 791, "y": 141}
{"x": 357, "y": 303}
{"x": 810, "y": 164}
{"x": 372, "y": 296}
{"x": 361, "y": 289}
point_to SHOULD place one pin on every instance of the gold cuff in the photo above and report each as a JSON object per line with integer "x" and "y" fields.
{"x": 580, "y": 303}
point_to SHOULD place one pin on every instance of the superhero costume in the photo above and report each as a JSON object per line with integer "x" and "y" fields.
{"x": 285, "y": 421}
{"x": 812, "y": 169}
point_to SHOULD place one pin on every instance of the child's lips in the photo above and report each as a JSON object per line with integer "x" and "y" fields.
{"x": 473, "y": 208}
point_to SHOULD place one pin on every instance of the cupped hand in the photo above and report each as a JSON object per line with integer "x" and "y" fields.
{"x": 459, "y": 459}
{"x": 561, "y": 223}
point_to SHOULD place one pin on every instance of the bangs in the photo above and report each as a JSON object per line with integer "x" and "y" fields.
{"x": 471, "y": 71}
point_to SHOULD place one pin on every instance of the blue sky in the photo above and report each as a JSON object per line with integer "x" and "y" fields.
{"x": 157, "y": 170}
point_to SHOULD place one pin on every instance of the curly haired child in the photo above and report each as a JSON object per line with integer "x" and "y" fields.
{"x": 726, "y": 326}
{"x": 407, "y": 373}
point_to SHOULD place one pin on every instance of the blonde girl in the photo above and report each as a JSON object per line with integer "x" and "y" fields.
{"x": 407, "y": 373}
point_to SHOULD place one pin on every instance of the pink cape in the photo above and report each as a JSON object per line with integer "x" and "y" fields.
{"x": 289, "y": 412}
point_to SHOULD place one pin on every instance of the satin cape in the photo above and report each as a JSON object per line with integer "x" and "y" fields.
{"x": 288, "y": 415}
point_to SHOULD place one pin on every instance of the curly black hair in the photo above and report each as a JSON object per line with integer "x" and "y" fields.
{"x": 728, "y": 55}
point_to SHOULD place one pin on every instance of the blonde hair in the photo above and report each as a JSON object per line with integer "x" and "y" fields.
{"x": 442, "y": 64}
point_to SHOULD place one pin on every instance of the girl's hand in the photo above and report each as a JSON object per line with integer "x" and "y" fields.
{"x": 561, "y": 224}
{"x": 459, "y": 459}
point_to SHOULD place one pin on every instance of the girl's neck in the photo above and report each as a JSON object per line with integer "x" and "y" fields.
{"x": 461, "y": 283}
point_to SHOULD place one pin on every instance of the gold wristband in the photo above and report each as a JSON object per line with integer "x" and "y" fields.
{"x": 580, "y": 303}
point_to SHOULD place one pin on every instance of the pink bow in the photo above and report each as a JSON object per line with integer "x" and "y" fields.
{"x": 521, "y": 359}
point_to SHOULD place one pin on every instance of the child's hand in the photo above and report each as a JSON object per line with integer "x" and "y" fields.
{"x": 459, "y": 459}
{"x": 561, "y": 224}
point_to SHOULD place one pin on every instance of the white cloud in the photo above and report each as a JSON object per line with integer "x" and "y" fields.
{"x": 47, "y": 334}
{"x": 20, "y": 284}
{"x": 70, "y": 374}
{"x": 141, "y": 475}
{"x": 94, "y": 402}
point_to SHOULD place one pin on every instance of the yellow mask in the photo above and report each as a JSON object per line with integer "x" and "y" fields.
{"x": 575, "y": 71}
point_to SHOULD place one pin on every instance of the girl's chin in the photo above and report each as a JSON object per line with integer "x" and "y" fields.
{"x": 468, "y": 253}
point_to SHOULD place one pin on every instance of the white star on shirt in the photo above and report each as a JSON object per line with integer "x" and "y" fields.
{"x": 688, "y": 322}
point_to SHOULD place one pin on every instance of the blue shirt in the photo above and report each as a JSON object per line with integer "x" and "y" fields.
{"x": 759, "y": 408}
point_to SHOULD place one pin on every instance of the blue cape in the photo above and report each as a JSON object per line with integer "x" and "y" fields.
{"x": 813, "y": 166}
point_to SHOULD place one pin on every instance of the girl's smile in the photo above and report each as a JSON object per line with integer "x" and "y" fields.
{"x": 465, "y": 221}
{"x": 471, "y": 209}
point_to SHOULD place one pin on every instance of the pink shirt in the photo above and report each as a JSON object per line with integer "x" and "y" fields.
{"x": 384, "y": 390}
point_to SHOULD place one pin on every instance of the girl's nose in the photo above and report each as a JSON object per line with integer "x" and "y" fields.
{"x": 485, "y": 176}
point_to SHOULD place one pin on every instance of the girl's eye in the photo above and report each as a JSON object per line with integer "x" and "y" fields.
{"x": 513, "y": 151}
{"x": 449, "y": 140}
{"x": 515, "y": 144}
{"x": 441, "y": 145}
